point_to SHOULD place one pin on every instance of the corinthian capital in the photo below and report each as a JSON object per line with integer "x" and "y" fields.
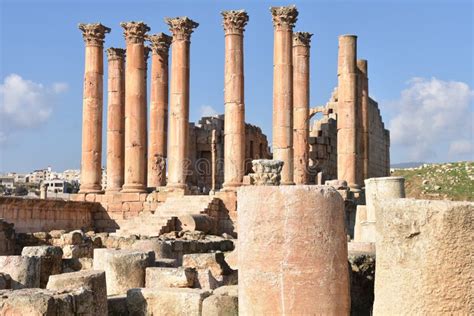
{"x": 181, "y": 27}
{"x": 93, "y": 33}
{"x": 302, "y": 39}
{"x": 284, "y": 17}
{"x": 134, "y": 32}
{"x": 234, "y": 21}
{"x": 160, "y": 43}
{"x": 115, "y": 53}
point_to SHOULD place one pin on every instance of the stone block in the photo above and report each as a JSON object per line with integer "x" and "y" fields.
{"x": 46, "y": 302}
{"x": 224, "y": 301}
{"x": 424, "y": 258}
{"x": 166, "y": 263}
{"x": 166, "y": 301}
{"x": 91, "y": 280}
{"x": 170, "y": 277}
{"x": 124, "y": 269}
{"x": 24, "y": 271}
{"x": 50, "y": 260}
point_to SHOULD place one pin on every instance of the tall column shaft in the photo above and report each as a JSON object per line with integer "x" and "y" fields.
{"x": 135, "y": 108}
{"x": 284, "y": 19}
{"x": 91, "y": 168}
{"x": 301, "y": 49}
{"x": 363, "y": 83}
{"x": 181, "y": 28}
{"x": 157, "y": 141}
{"x": 347, "y": 111}
{"x": 234, "y": 118}
{"x": 115, "y": 119}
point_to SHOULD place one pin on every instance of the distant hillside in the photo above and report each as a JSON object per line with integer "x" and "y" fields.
{"x": 451, "y": 181}
{"x": 414, "y": 164}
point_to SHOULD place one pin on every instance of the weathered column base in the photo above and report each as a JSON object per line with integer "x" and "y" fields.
{"x": 134, "y": 188}
{"x": 91, "y": 189}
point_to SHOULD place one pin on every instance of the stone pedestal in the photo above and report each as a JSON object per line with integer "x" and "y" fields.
{"x": 281, "y": 272}
{"x": 347, "y": 111}
{"x": 91, "y": 168}
{"x": 160, "y": 44}
{"x": 301, "y": 47}
{"x": 284, "y": 19}
{"x": 234, "y": 126}
{"x": 135, "y": 107}
{"x": 115, "y": 119}
{"x": 377, "y": 192}
{"x": 181, "y": 28}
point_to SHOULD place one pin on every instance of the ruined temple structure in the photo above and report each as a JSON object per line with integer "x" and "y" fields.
{"x": 204, "y": 219}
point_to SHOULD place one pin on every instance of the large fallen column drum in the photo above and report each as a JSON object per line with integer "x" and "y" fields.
{"x": 292, "y": 251}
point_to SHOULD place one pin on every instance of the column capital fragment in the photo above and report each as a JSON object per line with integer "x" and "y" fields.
{"x": 302, "y": 39}
{"x": 115, "y": 53}
{"x": 159, "y": 43}
{"x": 284, "y": 17}
{"x": 134, "y": 32}
{"x": 234, "y": 21}
{"x": 93, "y": 33}
{"x": 181, "y": 27}
{"x": 146, "y": 52}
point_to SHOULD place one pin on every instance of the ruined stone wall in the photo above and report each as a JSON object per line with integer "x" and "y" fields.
{"x": 379, "y": 142}
{"x": 200, "y": 151}
{"x": 323, "y": 142}
{"x": 35, "y": 215}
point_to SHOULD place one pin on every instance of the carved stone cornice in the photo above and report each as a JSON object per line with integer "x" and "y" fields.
{"x": 181, "y": 27}
{"x": 284, "y": 17}
{"x": 134, "y": 32}
{"x": 302, "y": 39}
{"x": 234, "y": 21}
{"x": 160, "y": 44}
{"x": 93, "y": 33}
{"x": 115, "y": 53}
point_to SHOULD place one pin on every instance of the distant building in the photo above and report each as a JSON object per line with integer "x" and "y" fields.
{"x": 7, "y": 181}
{"x": 58, "y": 186}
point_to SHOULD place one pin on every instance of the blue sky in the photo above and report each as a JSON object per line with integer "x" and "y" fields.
{"x": 420, "y": 57}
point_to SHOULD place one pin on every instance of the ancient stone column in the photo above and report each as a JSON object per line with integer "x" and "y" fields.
{"x": 293, "y": 278}
{"x": 234, "y": 22}
{"x": 301, "y": 48}
{"x": 115, "y": 119}
{"x": 284, "y": 19}
{"x": 234, "y": 120}
{"x": 363, "y": 118}
{"x": 135, "y": 107}
{"x": 347, "y": 111}
{"x": 91, "y": 169}
{"x": 160, "y": 44}
{"x": 181, "y": 28}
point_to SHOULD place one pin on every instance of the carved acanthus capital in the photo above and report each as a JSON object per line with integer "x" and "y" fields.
{"x": 115, "y": 53}
{"x": 93, "y": 33}
{"x": 160, "y": 43}
{"x": 134, "y": 32}
{"x": 284, "y": 17}
{"x": 266, "y": 172}
{"x": 181, "y": 27}
{"x": 234, "y": 21}
{"x": 302, "y": 39}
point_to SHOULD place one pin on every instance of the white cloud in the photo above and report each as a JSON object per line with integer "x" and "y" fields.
{"x": 207, "y": 110}
{"x": 25, "y": 104}
{"x": 432, "y": 113}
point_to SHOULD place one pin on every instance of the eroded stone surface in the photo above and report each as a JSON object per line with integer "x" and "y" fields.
{"x": 91, "y": 280}
{"x": 24, "y": 271}
{"x": 424, "y": 258}
{"x": 170, "y": 277}
{"x": 50, "y": 260}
